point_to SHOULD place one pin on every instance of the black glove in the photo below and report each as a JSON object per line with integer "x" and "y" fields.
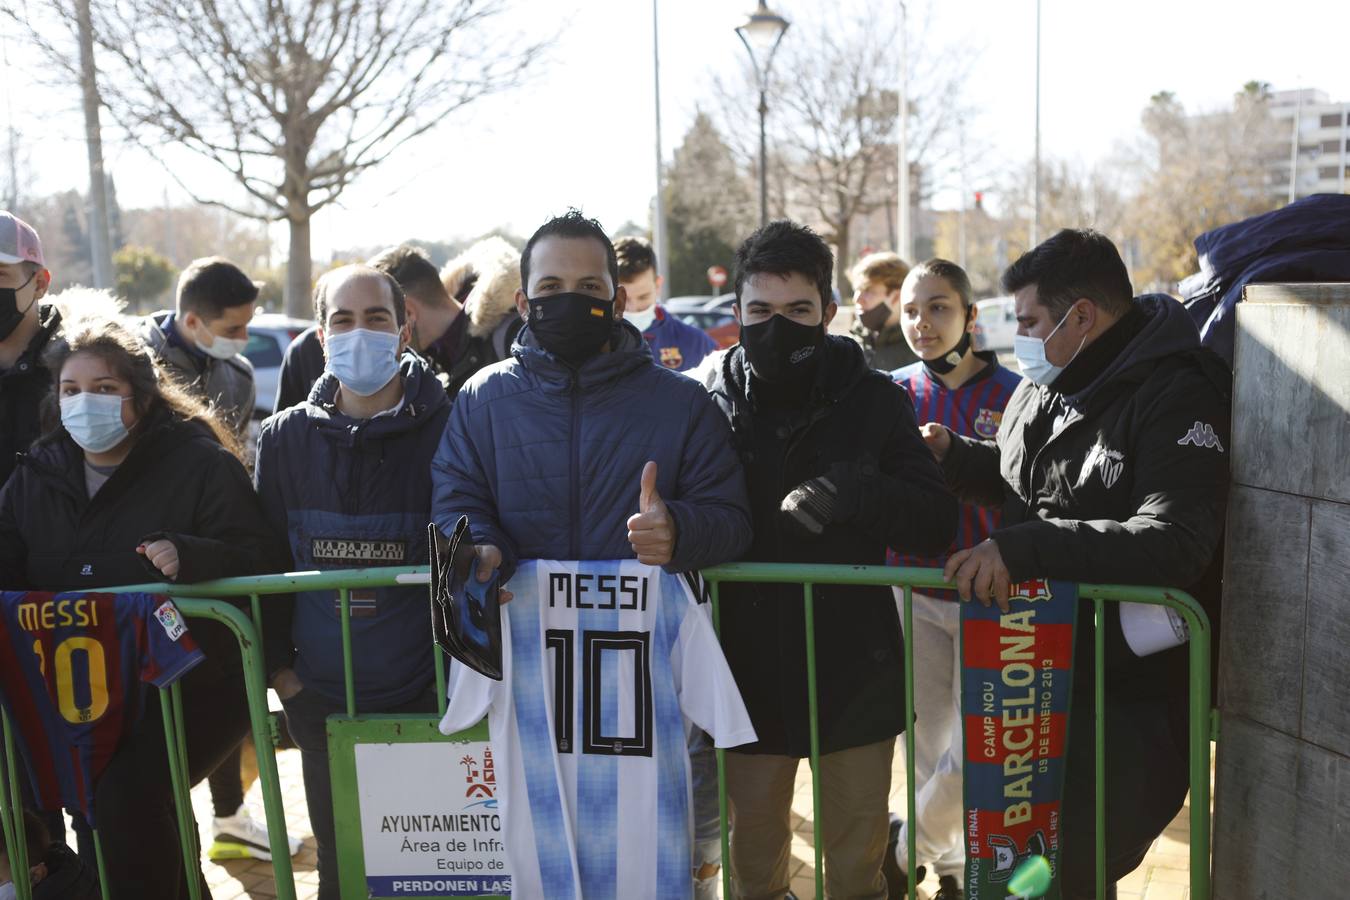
{"x": 828, "y": 499}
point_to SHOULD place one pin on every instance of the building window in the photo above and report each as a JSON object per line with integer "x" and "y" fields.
{"x": 1331, "y": 146}
{"x": 1332, "y": 120}
{"x": 1328, "y": 173}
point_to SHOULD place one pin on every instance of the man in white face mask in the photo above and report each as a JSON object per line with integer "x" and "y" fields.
{"x": 1110, "y": 466}
{"x": 346, "y": 477}
{"x": 674, "y": 344}
{"x": 202, "y": 339}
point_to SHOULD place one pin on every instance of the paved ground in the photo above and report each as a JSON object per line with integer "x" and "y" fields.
{"x": 1163, "y": 876}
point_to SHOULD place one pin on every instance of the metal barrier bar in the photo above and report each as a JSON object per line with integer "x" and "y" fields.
{"x": 808, "y": 575}
{"x": 813, "y": 710}
{"x": 255, "y": 687}
{"x": 13, "y": 820}
{"x": 911, "y": 815}
{"x": 1099, "y": 741}
{"x": 908, "y": 578}
{"x": 182, "y": 799}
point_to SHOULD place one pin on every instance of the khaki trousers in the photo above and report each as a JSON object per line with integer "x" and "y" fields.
{"x": 854, "y": 786}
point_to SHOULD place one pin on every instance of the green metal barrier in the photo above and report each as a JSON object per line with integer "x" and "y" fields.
{"x": 193, "y": 601}
{"x": 908, "y": 579}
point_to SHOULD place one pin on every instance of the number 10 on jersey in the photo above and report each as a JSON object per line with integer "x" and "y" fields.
{"x": 615, "y": 684}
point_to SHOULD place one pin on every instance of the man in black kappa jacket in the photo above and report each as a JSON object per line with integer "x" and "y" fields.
{"x": 1111, "y": 466}
{"x": 837, "y": 472}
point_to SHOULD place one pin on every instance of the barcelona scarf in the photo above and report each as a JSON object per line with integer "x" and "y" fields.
{"x": 1017, "y": 673}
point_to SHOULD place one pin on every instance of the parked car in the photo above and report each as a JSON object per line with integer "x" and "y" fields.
{"x": 996, "y": 325}
{"x": 711, "y": 314}
{"x": 269, "y": 334}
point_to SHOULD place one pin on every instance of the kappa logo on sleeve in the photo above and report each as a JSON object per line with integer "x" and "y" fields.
{"x": 169, "y": 618}
{"x": 1201, "y": 435}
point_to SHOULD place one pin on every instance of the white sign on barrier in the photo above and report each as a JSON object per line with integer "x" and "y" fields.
{"x": 430, "y": 824}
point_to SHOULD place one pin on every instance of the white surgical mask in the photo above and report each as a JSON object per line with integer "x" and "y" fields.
{"x": 222, "y": 347}
{"x": 364, "y": 361}
{"x": 94, "y": 421}
{"x": 8, "y": 891}
{"x": 641, "y": 320}
{"x": 1030, "y": 353}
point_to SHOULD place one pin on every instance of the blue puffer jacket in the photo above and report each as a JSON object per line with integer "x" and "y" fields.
{"x": 351, "y": 493}
{"x": 546, "y": 460}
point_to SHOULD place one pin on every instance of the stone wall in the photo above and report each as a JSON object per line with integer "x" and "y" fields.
{"x": 1282, "y": 798}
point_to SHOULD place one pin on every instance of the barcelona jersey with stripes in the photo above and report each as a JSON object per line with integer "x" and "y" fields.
{"x": 605, "y": 664}
{"x": 974, "y": 410}
{"x": 72, "y": 667}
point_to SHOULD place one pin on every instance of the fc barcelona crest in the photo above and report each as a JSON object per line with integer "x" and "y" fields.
{"x": 987, "y": 422}
{"x": 671, "y": 357}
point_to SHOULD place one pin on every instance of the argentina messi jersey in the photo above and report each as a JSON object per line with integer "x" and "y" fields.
{"x": 605, "y": 664}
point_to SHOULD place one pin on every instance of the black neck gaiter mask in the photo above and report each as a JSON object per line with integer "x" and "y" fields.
{"x": 784, "y": 353}
{"x": 10, "y": 316}
{"x": 952, "y": 358}
{"x": 571, "y": 326}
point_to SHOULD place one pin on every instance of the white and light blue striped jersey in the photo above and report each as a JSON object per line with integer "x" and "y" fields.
{"x": 605, "y": 664}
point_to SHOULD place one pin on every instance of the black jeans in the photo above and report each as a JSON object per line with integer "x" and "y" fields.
{"x": 306, "y": 716}
{"x": 1146, "y": 782}
{"x": 136, "y": 816}
{"x": 227, "y": 785}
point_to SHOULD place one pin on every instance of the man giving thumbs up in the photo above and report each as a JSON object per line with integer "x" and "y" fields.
{"x": 580, "y": 446}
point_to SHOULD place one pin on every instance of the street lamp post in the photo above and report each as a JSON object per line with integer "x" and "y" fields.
{"x": 1036, "y": 202}
{"x": 762, "y": 31}
{"x": 905, "y": 244}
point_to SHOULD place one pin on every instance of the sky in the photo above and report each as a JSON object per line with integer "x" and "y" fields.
{"x": 583, "y": 131}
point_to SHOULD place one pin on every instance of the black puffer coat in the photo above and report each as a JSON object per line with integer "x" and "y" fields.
{"x": 177, "y": 483}
{"x": 859, "y": 427}
{"x": 23, "y": 386}
{"x": 1117, "y": 473}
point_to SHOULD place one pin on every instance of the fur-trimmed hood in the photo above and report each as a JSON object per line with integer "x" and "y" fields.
{"x": 494, "y": 267}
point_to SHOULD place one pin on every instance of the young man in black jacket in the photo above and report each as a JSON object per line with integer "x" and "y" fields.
{"x": 1110, "y": 466}
{"x": 27, "y": 328}
{"x": 837, "y": 472}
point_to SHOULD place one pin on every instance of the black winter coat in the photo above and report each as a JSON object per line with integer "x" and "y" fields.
{"x": 178, "y": 483}
{"x": 859, "y": 427}
{"x": 1118, "y": 474}
{"x": 23, "y": 387}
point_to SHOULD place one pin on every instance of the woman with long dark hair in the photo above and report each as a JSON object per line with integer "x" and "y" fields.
{"x": 137, "y": 483}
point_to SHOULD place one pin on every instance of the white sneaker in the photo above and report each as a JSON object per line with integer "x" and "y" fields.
{"x": 240, "y": 837}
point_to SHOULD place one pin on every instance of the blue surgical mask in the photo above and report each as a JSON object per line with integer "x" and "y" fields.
{"x": 364, "y": 361}
{"x": 94, "y": 421}
{"x": 1030, "y": 353}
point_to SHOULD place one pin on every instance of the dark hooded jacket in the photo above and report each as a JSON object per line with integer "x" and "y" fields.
{"x": 859, "y": 428}
{"x": 1308, "y": 240}
{"x": 23, "y": 386}
{"x": 1116, "y": 473}
{"x": 178, "y": 483}
{"x": 225, "y": 384}
{"x": 356, "y": 493}
{"x": 546, "y": 459}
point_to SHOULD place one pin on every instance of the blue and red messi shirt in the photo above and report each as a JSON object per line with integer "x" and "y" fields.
{"x": 975, "y": 410}
{"x": 72, "y": 668}
{"x": 677, "y": 345}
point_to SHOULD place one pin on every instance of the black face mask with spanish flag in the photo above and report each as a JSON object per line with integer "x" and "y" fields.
{"x": 571, "y": 326}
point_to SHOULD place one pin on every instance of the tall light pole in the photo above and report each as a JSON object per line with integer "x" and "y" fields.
{"x": 659, "y": 226}
{"x": 906, "y": 243}
{"x": 1036, "y": 203}
{"x": 762, "y": 31}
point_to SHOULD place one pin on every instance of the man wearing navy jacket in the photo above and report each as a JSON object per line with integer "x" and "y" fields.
{"x": 675, "y": 344}
{"x": 346, "y": 478}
